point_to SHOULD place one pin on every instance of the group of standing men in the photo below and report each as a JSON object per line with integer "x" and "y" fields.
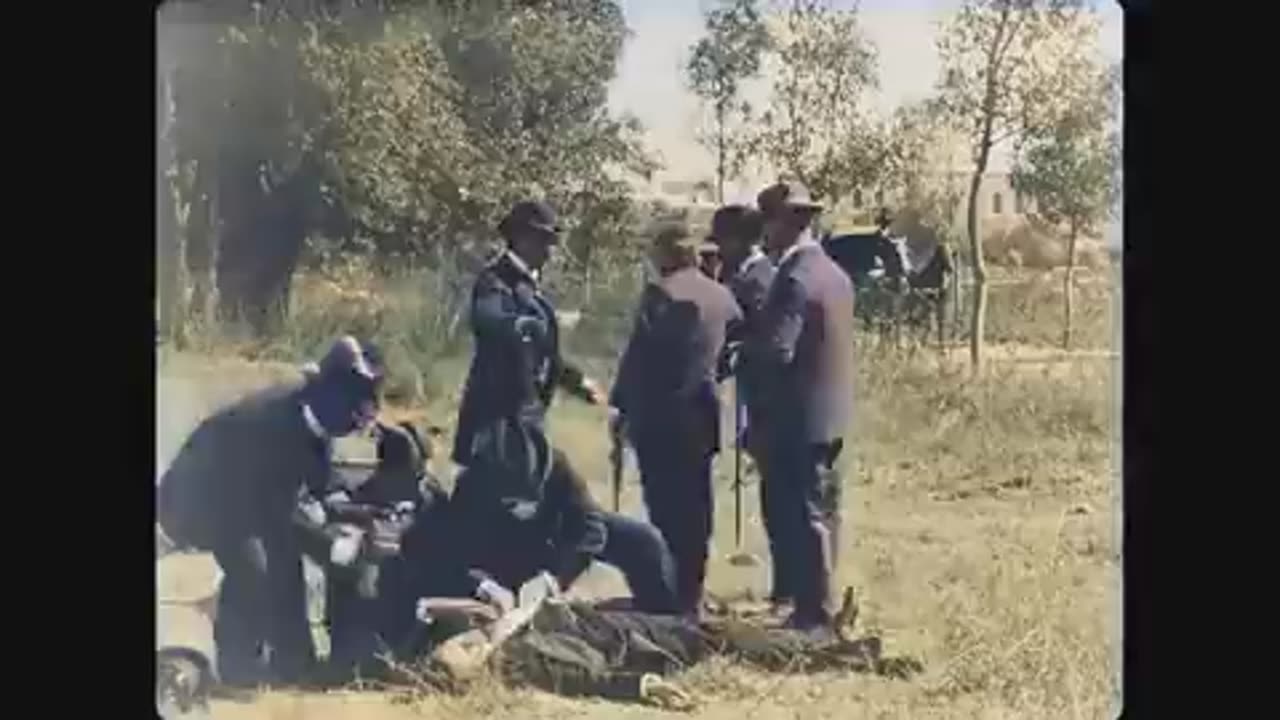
{"x": 779, "y": 320}
{"x": 777, "y": 317}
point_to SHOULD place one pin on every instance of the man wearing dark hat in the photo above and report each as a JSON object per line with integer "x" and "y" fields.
{"x": 665, "y": 396}
{"x": 736, "y": 231}
{"x": 517, "y": 364}
{"x": 747, "y": 272}
{"x": 522, "y": 507}
{"x": 802, "y": 350}
{"x": 233, "y": 490}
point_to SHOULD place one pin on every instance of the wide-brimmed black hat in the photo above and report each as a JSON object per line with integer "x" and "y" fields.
{"x": 530, "y": 215}
{"x": 732, "y": 221}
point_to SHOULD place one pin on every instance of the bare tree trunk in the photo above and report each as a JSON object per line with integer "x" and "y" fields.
{"x": 955, "y": 306}
{"x": 169, "y": 241}
{"x": 1068, "y": 286}
{"x": 202, "y": 243}
{"x": 978, "y": 314}
{"x": 720, "y": 152}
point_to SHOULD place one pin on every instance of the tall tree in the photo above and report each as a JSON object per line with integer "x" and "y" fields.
{"x": 813, "y": 130}
{"x": 1002, "y": 61}
{"x": 1070, "y": 166}
{"x": 918, "y": 166}
{"x": 451, "y": 112}
{"x": 727, "y": 55}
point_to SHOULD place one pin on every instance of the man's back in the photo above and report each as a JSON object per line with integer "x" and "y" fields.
{"x": 675, "y": 347}
{"x": 717, "y": 311}
{"x": 241, "y": 468}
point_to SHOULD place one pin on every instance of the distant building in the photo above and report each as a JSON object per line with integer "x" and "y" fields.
{"x": 999, "y": 205}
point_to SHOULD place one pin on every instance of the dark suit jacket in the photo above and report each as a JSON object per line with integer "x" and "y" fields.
{"x": 750, "y": 286}
{"x": 239, "y": 474}
{"x": 666, "y": 380}
{"x": 565, "y": 530}
{"x": 802, "y": 349}
{"x": 512, "y": 376}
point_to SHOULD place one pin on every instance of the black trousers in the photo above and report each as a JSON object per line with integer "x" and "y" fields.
{"x": 261, "y": 630}
{"x": 353, "y": 605}
{"x": 679, "y": 498}
{"x": 801, "y": 496}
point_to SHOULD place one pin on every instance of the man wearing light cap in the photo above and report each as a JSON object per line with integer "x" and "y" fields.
{"x": 665, "y": 396}
{"x": 802, "y": 350}
{"x": 233, "y": 490}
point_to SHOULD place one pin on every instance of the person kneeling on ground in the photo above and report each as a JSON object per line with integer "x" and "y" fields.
{"x": 520, "y": 509}
{"x": 232, "y": 490}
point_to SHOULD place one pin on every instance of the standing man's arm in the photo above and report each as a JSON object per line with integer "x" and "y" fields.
{"x": 734, "y": 331}
{"x": 782, "y": 320}
{"x": 620, "y": 396}
{"x": 576, "y": 383}
{"x": 492, "y": 315}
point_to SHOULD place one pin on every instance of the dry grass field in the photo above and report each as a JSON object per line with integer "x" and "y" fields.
{"x": 981, "y": 537}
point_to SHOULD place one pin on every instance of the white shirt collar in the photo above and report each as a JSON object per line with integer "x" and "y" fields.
{"x": 756, "y": 256}
{"x": 313, "y": 423}
{"x": 522, "y": 265}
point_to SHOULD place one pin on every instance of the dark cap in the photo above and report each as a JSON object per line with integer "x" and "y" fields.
{"x": 734, "y": 221}
{"x": 354, "y": 366}
{"x": 531, "y": 215}
{"x": 786, "y": 195}
{"x": 401, "y": 448}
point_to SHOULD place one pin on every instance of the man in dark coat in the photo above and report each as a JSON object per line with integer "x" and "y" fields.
{"x": 802, "y": 349}
{"x": 517, "y": 364}
{"x": 748, "y": 273}
{"x": 665, "y": 396}
{"x": 522, "y": 507}
{"x": 233, "y": 490}
{"x": 736, "y": 230}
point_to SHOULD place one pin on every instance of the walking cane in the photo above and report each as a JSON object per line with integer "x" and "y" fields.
{"x": 616, "y": 459}
{"x": 740, "y": 557}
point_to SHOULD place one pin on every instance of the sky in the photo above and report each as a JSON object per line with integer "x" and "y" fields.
{"x": 650, "y": 82}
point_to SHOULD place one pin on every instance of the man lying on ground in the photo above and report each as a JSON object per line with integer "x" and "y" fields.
{"x": 585, "y": 649}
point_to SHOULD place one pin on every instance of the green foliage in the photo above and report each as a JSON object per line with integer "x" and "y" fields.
{"x": 814, "y": 130}
{"x": 1071, "y": 165}
{"x": 917, "y": 164}
{"x": 726, "y": 56}
{"x": 1006, "y": 66}
{"x": 449, "y": 114}
{"x": 397, "y": 130}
